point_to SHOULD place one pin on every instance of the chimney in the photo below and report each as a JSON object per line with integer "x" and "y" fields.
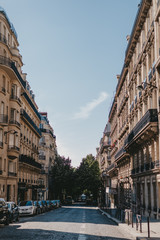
{"x": 118, "y": 77}
{"x": 128, "y": 37}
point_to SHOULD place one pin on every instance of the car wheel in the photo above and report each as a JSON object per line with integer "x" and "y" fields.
{"x": 7, "y": 221}
{"x": 11, "y": 218}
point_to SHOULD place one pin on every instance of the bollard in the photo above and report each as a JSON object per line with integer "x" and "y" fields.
{"x": 140, "y": 224}
{"x": 128, "y": 218}
{"x": 148, "y": 227}
{"x": 136, "y": 223}
{"x": 132, "y": 219}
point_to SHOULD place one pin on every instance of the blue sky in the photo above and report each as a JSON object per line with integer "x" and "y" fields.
{"x": 72, "y": 51}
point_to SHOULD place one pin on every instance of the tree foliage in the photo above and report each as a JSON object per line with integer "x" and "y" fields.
{"x": 89, "y": 176}
{"x": 69, "y": 181}
{"x": 62, "y": 178}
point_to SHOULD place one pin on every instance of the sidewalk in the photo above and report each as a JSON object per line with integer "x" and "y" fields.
{"x": 154, "y": 228}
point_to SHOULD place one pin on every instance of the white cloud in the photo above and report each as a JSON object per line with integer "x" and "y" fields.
{"x": 86, "y": 110}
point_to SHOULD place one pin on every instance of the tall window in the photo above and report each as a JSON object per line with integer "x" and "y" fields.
{"x": 0, "y": 164}
{"x": 3, "y": 83}
{"x": 14, "y": 90}
{"x": 2, "y": 108}
{"x": 1, "y": 137}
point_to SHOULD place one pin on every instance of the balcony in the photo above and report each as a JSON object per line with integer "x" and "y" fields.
{"x": 12, "y": 174}
{"x": 47, "y": 131}
{"x": 104, "y": 146}
{"x": 146, "y": 127}
{"x": 111, "y": 168}
{"x": 13, "y": 121}
{"x": 150, "y": 166}
{"x": 29, "y": 160}
{"x": 13, "y": 151}
{"x": 121, "y": 154}
{"x": 7, "y": 62}
{"x": 28, "y": 120}
{"x": 31, "y": 104}
{"x": 3, "y": 118}
{"x": 15, "y": 98}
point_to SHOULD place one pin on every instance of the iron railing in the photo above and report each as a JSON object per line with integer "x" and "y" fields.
{"x": 27, "y": 117}
{"x": 29, "y": 160}
{"x": 145, "y": 167}
{"x": 13, "y": 147}
{"x": 150, "y": 116}
{"x": 7, "y": 62}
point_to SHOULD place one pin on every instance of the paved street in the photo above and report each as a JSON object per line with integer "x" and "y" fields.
{"x": 67, "y": 223}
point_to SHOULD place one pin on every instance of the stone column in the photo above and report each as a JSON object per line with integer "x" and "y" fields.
{"x": 146, "y": 194}
{"x": 152, "y": 194}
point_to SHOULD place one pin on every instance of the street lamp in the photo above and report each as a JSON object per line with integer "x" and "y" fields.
{"x": 142, "y": 86}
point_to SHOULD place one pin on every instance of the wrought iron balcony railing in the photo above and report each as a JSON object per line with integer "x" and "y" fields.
{"x": 12, "y": 174}
{"x": 47, "y": 131}
{"x": 149, "y": 117}
{"x": 14, "y": 97}
{"x": 146, "y": 167}
{"x": 119, "y": 153}
{"x": 13, "y": 121}
{"x": 27, "y": 117}
{"x": 29, "y": 160}
{"x": 7, "y": 62}
{"x": 13, "y": 147}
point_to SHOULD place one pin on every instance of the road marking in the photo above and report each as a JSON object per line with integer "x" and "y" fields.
{"x": 82, "y": 237}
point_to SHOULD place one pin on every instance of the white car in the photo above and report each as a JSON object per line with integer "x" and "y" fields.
{"x": 27, "y": 208}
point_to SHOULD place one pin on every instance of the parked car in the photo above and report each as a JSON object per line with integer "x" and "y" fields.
{"x": 49, "y": 204}
{"x": 54, "y": 204}
{"x": 38, "y": 208}
{"x": 68, "y": 200}
{"x": 45, "y": 205}
{"x": 27, "y": 208}
{"x": 13, "y": 211}
{"x": 42, "y": 207}
{"x": 4, "y": 212}
{"x": 58, "y": 203}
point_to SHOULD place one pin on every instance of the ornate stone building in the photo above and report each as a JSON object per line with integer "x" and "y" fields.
{"x": 47, "y": 152}
{"x": 136, "y": 163}
{"x": 20, "y": 168}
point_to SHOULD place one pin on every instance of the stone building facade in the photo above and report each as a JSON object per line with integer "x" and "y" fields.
{"x": 21, "y": 173}
{"x": 47, "y": 152}
{"x": 136, "y": 162}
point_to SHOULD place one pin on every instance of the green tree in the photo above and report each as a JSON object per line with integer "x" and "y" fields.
{"x": 62, "y": 175}
{"x": 88, "y": 177}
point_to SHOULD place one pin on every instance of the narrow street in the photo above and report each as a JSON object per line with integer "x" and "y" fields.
{"x": 68, "y": 223}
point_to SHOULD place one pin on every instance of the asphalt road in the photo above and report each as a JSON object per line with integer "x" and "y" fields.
{"x": 67, "y": 223}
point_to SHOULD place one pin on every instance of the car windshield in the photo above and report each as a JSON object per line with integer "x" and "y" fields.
{"x": 25, "y": 203}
